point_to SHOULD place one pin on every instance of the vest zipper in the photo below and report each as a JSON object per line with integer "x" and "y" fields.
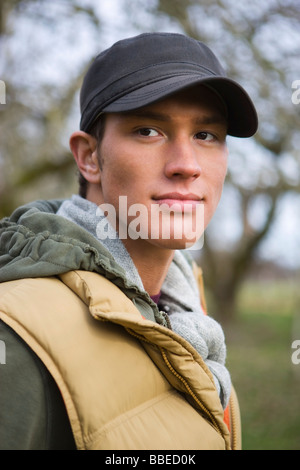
{"x": 233, "y": 424}
{"x": 178, "y": 376}
{"x": 189, "y": 390}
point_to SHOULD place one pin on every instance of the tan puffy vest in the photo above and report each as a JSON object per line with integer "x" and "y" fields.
{"x": 93, "y": 341}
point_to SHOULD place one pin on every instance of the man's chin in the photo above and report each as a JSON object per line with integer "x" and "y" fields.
{"x": 182, "y": 244}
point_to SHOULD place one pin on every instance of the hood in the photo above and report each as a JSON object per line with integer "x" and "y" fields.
{"x": 35, "y": 242}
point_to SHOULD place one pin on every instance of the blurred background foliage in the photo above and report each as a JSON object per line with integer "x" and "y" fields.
{"x": 251, "y": 253}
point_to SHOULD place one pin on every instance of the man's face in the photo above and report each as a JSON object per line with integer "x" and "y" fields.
{"x": 171, "y": 154}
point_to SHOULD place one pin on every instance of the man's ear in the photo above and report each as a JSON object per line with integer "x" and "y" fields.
{"x": 84, "y": 149}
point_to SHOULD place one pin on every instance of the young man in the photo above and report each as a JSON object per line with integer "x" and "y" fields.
{"x": 107, "y": 343}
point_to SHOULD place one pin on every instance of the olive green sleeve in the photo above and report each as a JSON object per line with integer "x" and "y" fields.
{"x": 32, "y": 414}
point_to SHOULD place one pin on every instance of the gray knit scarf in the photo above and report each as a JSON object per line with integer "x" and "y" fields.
{"x": 179, "y": 295}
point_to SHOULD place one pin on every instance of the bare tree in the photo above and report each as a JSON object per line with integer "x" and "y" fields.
{"x": 35, "y": 160}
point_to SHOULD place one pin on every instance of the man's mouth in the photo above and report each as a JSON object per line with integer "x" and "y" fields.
{"x": 179, "y": 201}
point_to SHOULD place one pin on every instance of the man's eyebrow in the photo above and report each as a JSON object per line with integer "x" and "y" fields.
{"x": 155, "y": 116}
{"x": 211, "y": 119}
{"x": 215, "y": 118}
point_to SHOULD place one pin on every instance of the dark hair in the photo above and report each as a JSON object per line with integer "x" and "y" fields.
{"x": 96, "y": 131}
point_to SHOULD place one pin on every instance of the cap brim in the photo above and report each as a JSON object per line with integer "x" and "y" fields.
{"x": 242, "y": 116}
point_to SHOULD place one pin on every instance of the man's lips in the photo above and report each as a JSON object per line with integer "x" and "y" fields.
{"x": 179, "y": 200}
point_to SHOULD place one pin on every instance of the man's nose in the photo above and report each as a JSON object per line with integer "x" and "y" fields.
{"x": 183, "y": 159}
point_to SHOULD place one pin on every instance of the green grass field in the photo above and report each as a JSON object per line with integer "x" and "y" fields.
{"x": 259, "y": 358}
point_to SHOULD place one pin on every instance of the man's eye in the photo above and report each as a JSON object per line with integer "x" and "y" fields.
{"x": 148, "y": 132}
{"x": 205, "y": 136}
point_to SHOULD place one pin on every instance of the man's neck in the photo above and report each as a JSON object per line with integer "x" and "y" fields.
{"x": 152, "y": 264}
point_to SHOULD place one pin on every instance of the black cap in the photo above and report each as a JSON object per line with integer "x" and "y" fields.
{"x": 141, "y": 70}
